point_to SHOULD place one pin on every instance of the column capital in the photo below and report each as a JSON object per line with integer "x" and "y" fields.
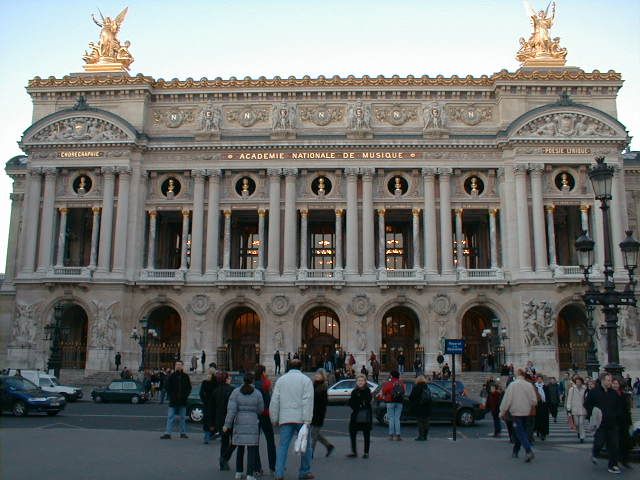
{"x": 339, "y": 212}
{"x": 126, "y": 171}
{"x": 584, "y": 208}
{"x": 458, "y": 211}
{"x": 520, "y": 169}
{"x": 50, "y": 171}
{"x": 381, "y": 212}
{"x": 367, "y": 174}
{"x": 108, "y": 171}
{"x": 494, "y": 211}
{"x": 34, "y": 170}
{"x": 186, "y": 212}
{"x": 16, "y": 197}
{"x": 536, "y": 168}
{"x": 550, "y": 208}
{"x": 227, "y": 213}
{"x": 445, "y": 171}
{"x": 199, "y": 174}
{"x": 213, "y": 173}
{"x": 290, "y": 172}
{"x": 63, "y": 210}
{"x": 415, "y": 211}
{"x": 429, "y": 172}
{"x": 274, "y": 173}
{"x": 95, "y": 210}
{"x": 351, "y": 173}
{"x": 262, "y": 212}
{"x": 304, "y": 212}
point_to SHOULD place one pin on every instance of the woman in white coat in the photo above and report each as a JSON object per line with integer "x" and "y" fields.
{"x": 575, "y": 405}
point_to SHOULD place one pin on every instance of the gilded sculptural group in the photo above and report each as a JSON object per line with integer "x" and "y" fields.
{"x": 541, "y": 50}
{"x": 108, "y": 54}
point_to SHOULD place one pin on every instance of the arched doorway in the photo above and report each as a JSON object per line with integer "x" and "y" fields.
{"x": 573, "y": 338}
{"x": 479, "y": 330}
{"x": 73, "y": 343}
{"x": 243, "y": 338}
{"x": 320, "y": 335}
{"x": 400, "y": 335}
{"x": 163, "y": 348}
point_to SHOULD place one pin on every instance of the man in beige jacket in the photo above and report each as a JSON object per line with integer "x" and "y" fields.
{"x": 518, "y": 401}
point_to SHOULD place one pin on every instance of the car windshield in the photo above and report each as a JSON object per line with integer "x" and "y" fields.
{"x": 344, "y": 384}
{"x": 129, "y": 386}
{"x": 54, "y": 381}
{"x": 115, "y": 386}
{"x": 46, "y": 382}
{"x": 438, "y": 392}
{"x": 18, "y": 383}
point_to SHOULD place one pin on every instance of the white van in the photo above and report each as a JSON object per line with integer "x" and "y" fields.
{"x": 49, "y": 383}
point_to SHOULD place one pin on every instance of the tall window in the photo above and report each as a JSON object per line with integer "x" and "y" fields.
{"x": 323, "y": 253}
{"x": 395, "y": 251}
{"x": 249, "y": 244}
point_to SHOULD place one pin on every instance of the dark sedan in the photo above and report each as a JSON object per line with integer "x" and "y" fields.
{"x": 195, "y": 412}
{"x": 467, "y": 409}
{"x": 21, "y": 397}
{"x": 120, "y": 391}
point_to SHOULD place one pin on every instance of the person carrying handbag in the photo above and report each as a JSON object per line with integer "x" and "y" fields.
{"x": 575, "y": 406}
{"x": 361, "y": 415}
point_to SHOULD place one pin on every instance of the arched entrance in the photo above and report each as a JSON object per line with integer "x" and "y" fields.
{"x": 573, "y": 338}
{"x": 479, "y": 334}
{"x": 320, "y": 335}
{"x": 400, "y": 335}
{"x": 163, "y": 349}
{"x": 73, "y": 343}
{"x": 243, "y": 338}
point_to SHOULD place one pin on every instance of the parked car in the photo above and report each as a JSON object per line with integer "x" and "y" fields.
{"x": 120, "y": 391}
{"x": 21, "y": 397}
{"x": 446, "y": 384}
{"x": 467, "y": 409}
{"x": 340, "y": 391}
{"x": 195, "y": 412}
{"x": 50, "y": 384}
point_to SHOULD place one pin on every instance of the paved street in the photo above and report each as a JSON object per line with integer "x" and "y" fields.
{"x": 105, "y": 441}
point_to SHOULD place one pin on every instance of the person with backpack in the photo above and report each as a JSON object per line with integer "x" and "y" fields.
{"x": 420, "y": 402}
{"x": 393, "y": 395}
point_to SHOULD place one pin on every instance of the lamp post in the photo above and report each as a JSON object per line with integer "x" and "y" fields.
{"x": 610, "y": 299}
{"x": 143, "y": 338}
{"x": 54, "y": 330}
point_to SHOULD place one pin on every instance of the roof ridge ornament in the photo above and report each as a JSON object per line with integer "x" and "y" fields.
{"x": 108, "y": 55}
{"x": 81, "y": 104}
{"x": 541, "y": 50}
{"x": 565, "y": 100}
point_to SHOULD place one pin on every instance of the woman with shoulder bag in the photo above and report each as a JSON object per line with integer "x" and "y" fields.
{"x": 361, "y": 415}
{"x": 575, "y": 405}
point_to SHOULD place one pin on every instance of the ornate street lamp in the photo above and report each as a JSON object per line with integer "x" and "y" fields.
{"x": 54, "y": 331}
{"x": 143, "y": 338}
{"x": 610, "y": 299}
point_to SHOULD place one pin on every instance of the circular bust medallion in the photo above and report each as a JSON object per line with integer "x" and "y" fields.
{"x": 247, "y": 117}
{"x": 321, "y": 116}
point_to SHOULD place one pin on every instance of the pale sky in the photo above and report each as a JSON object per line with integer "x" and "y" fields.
{"x": 218, "y": 38}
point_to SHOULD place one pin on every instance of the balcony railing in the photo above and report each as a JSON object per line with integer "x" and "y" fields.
{"x": 70, "y": 272}
{"x": 162, "y": 275}
{"x": 480, "y": 274}
{"x": 567, "y": 271}
{"x": 320, "y": 275}
{"x": 241, "y": 275}
{"x": 400, "y": 274}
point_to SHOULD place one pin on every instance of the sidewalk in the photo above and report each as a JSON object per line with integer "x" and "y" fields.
{"x": 59, "y": 452}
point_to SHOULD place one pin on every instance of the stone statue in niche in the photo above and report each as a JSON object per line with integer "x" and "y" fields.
{"x": 278, "y": 339}
{"x": 434, "y": 121}
{"x": 359, "y": 119}
{"x": 537, "y": 323}
{"x": 283, "y": 121}
{"x": 24, "y": 326}
{"x": 104, "y": 329}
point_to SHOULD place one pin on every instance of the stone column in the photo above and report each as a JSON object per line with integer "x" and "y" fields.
{"x": 493, "y": 237}
{"x": 32, "y": 213}
{"x": 261, "y": 215}
{"x": 522, "y": 206}
{"x": 415, "y": 212}
{"x": 537, "y": 210}
{"x": 14, "y": 244}
{"x": 551, "y": 234}
{"x": 197, "y": 229}
{"x": 226, "y": 243}
{"x": 46, "y": 221}
{"x": 106, "y": 225}
{"x": 368, "y": 253}
{"x": 382, "y": 237}
{"x": 137, "y": 218}
{"x": 304, "y": 213}
{"x": 459, "y": 240}
{"x": 618, "y": 223}
{"x": 62, "y": 236}
{"x": 429, "y": 220}
{"x": 352, "y": 220}
{"x": 95, "y": 237}
{"x": 185, "y": 238}
{"x": 213, "y": 222}
{"x": 273, "y": 266}
{"x": 446, "y": 237}
{"x": 584, "y": 217}
{"x": 598, "y": 237}
{"x": 290, "y": 222}
{"x": 151, "y": 251}
{"x": 122, "y": 215}
{"x": 338, "y": 246}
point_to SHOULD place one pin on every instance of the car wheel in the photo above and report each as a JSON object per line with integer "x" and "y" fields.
{"x": 196, "y": 414}
{"x": 97, "y": 399}
{"x": 135, "y": 399}
{"x": 465, "y": 418}
{"x": 19, "y": 409}
{"x": 52, "y": 414}
{"x": 67, "y": 397}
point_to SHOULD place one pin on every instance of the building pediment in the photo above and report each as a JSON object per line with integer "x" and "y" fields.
{"x": 79, "y": 127}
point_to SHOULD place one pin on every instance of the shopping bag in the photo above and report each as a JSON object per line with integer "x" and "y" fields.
{"x": 300, "y": 447}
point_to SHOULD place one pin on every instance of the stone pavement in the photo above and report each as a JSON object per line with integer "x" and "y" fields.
{"x": 59, "y": 452}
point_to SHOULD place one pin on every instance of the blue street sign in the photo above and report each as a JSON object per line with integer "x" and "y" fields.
{"x": 453, "y": 346}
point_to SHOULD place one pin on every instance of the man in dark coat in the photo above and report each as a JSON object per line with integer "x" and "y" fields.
{"x": 277, "y": 361}
{"x": 206, "y": 396}
{"x": 203, "y": 358}
{"x": 118, "y": 361}
{"x": 221, "y": 402}
{"x": 178, "y": 389}
{"x": 552, "y": 391}
{"x": 420, "y": 403}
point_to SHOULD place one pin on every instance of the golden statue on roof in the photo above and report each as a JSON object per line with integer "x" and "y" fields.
{"x": 541, "y": 50}
{"x": 108, "y": 55}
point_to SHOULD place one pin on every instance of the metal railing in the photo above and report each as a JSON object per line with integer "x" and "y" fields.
{"x": 153, "y": 274}
{"x": 74, "y": 354}
{"x": 237, "y": 274}
{"x": 480, "y": 274}
{"x": 321, "y": 274}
